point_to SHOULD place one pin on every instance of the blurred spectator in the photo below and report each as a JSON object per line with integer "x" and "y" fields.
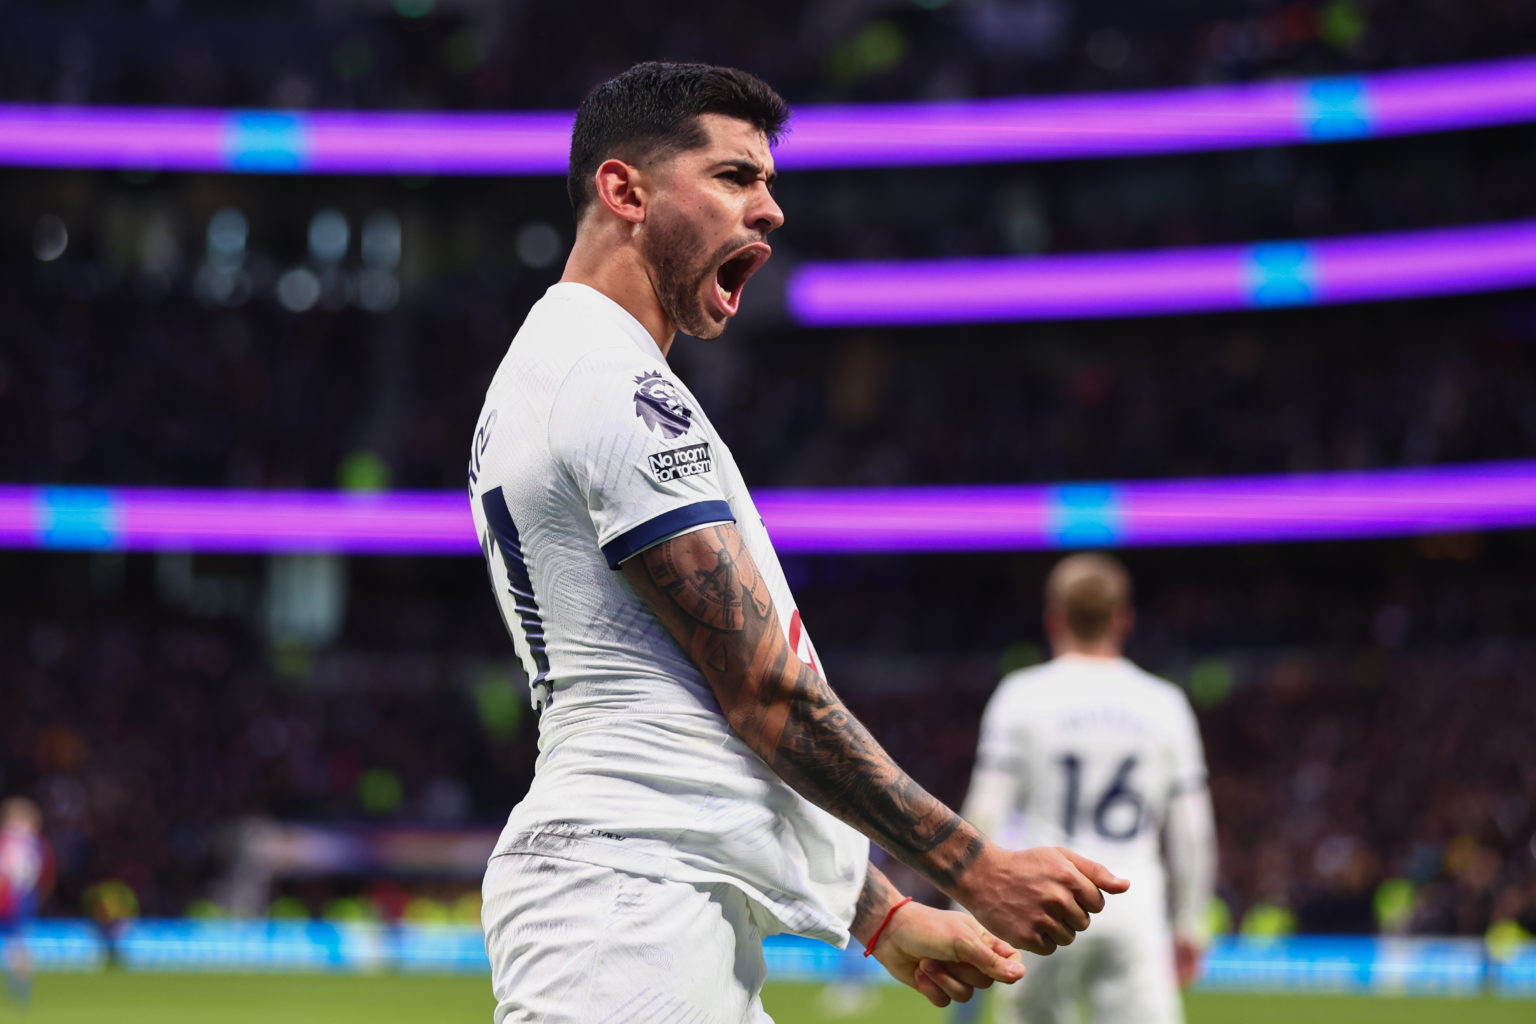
{"x": 26, "y": 876}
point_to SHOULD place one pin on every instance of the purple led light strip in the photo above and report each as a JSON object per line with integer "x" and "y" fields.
{"x": 877, "y": 520}
{"x": 1331, "y": 506}
{"x": 1113, "y": 124}
{"x": 1416, "y": 264}
{"x": 1197, "y": 280}
{"x": 112, "y": 138}
{"x": 521, "y": 143}
{"x": 406, "y": 522}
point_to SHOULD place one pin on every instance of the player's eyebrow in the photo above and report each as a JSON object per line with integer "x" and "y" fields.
{"x": 746, "y": 165}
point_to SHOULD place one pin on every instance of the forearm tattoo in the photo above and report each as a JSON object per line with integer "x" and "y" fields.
{"x": 874, "y": 901}
{"x": 706, "y": 589}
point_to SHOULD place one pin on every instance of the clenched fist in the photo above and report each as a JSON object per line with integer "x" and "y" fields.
{"x": 1035, "y": 899}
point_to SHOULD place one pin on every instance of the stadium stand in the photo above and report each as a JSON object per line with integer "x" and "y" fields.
{"x": 1356, "y": 698}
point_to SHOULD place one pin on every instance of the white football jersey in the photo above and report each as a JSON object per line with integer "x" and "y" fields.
{"x": 1092, "y": 753}
{"x": 589, "y": 450}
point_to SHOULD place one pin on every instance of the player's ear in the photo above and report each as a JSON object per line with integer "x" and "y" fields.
{"x": 1055, "y": 625}
{"x": 623, "y": 189}
{"x": 1125, "y": 622}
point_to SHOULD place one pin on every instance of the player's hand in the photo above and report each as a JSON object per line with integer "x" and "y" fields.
{"x": 945, "y": 955}
{"x": 1036, "y": 899}
{"x": 1186, "y": 960}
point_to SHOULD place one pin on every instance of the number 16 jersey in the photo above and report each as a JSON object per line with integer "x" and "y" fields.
{"x": 1091, "y": 753}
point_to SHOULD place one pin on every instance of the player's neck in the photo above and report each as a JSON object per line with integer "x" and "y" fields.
{"x": 619, "y": 272}
{"x": 1106, "y": 652}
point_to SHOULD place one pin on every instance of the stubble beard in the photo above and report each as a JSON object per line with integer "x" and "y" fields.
{"x": 679, "y": 279}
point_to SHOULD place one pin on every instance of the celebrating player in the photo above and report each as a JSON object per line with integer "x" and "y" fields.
{"x": 25, "y": 873}
{"x": 699, "y": 784}
{"x": 1090, "y": 750}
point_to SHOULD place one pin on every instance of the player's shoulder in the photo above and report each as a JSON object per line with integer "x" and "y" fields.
{"x": 1164, "y": 695}
{"x": 1146, "y": 677}
{"x": 1134, "y": 675}
{"x": 575, "y": 327}
{"x": 1025, "y": 686}
{"x": 1069, "y": 678}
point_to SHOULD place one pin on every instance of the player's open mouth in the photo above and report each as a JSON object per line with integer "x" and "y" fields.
{"x": 732, "y": 275}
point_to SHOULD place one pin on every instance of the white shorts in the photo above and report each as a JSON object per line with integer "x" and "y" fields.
{"x": 1125, "y": 977}
{"x": 574, "y": 943}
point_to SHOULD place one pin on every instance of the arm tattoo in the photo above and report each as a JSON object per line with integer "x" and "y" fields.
{"x": 875, "y": 900}
{"x": 707, "y": 591}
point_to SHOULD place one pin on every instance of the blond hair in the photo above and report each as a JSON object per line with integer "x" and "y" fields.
{"x": 1088, "y": 589}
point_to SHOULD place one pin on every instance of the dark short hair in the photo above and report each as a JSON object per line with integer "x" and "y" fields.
{"x": 653, "y": 110}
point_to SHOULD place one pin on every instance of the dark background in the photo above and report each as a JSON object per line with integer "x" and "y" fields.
{"x": 1368, "y": 707}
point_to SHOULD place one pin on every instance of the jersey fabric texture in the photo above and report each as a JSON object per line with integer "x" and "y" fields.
{"x": 575, "y": 943}
{"x": 588, "y": 451}
{"x": 1097, "y": 755}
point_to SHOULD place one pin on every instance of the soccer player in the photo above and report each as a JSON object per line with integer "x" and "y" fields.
{"x": 25, "y": 872}
{"x": 699, "y": 785}
{"x": 1088, "y": 749}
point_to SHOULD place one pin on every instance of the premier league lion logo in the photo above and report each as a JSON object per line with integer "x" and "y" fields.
{"x": 660, "y": 407}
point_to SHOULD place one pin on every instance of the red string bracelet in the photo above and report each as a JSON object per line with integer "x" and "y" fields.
{"x": 878, "y": 931}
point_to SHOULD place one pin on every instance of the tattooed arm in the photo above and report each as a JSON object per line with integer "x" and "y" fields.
{"x": 706, "y": 589}
{"x": 875, "y": 901}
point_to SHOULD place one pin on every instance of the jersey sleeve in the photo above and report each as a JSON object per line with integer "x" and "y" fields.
{"x": 637, "y": 453}
{"x": 999, "y": 781}
{"x": 1189, "y": 835}
{"x": 1189, "y": 772}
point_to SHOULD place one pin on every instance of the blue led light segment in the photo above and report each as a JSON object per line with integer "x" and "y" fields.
{"x": 1336, "y": 108}
{"x": 266, "y": 143}
{"x": 1084, "y": 515}
{"x": 1280, "y": 274}
{"x": 77, "y": 517}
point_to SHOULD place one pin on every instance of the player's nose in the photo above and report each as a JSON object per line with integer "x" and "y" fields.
{"x": 764, "y": 214}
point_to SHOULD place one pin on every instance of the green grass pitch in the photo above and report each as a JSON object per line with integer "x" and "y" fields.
{"x": 388, "y": 998}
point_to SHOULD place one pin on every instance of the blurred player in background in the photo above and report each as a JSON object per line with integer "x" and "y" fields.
{"x": 1088, "y": 749}
{"x": 26, "y": 870}
{"x": 699, "y": 785}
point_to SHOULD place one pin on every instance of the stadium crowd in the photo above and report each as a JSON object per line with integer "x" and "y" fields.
{"x": 116, "y": 393}
{"x": 140, "y": 351}
{"x": 471, "y": 54}
{"x": 1360, "y": 709}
